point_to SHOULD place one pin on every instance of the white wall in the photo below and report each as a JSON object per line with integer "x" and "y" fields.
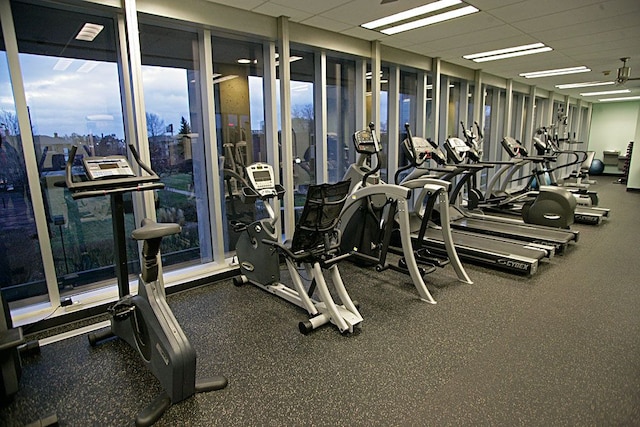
{"x": 613, "y": 126}
{"x": 634, "y": 171}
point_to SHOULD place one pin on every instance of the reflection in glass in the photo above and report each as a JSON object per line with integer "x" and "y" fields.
{"x": 21, "y": 269}
{"x": 303, "y": 123}
{"x": 341, "y": 116}
{"x": 170, "y": 78}
{"x": 408, "y": 97}
{"x": 384, "y": 114}
{"x": 240, "y": 124}
{"x": 73, "y": 96}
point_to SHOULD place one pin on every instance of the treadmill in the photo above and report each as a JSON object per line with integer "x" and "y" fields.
{"x": 458, "y": 151}
{"x": 505, "y": 254}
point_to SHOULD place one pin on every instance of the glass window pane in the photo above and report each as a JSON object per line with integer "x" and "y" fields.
{"x": 240, "y": 123}
{"x": 170, "y": 77}
{"x": 341, "y": 116}
{"x": 21, "y": 270}
{"x": 303, "y": 123}
{"x": 384, "y": 114}
{"x": 73, "y": 95}
{"x": 408, "y": 99}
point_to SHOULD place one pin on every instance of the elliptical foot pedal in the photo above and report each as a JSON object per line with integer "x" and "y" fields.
{"x": 154, "y": 410}
{"x": 217, "y": 382}
{"x": 424, "y": 256}
{"x": 423, "y": 268}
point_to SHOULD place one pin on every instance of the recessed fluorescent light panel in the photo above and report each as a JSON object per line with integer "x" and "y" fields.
{"x": 556, "y": 72}
{"x": 585, "y": 84}
{"x": 509, "y": 52}
{"x": 628, "y": 98}
{"x": 606, "y": 92}
{"x": 89, "y": 32}
{"x": 421, "y": 16}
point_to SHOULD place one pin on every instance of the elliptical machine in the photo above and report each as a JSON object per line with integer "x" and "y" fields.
{"x": 315, "y": 247}
{"x": 376, "y": 222}
{"x": 549, "y": 206}
{"x": 144, "y": 321}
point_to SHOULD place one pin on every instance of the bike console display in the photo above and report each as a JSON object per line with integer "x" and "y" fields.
{"x": 260, "y": 176}
{"x": 107, "y": 167}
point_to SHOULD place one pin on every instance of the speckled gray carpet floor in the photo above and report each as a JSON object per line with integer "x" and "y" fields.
{"x": 559, "y": 348}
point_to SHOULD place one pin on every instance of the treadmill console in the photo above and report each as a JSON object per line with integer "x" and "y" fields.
{"x": 514, "y": 147}
{"x": 422, "y": 151}
{"x": 107, "y": 167}
{"x": 260, "y": 176}
{"x": 457, "y": 149}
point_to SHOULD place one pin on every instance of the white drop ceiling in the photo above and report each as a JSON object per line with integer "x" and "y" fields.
{"x": 594, "y": 33}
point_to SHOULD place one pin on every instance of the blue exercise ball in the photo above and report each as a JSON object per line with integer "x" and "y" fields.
{"x": 597, "y": 167}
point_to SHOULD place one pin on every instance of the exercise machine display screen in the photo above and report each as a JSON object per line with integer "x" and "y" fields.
{"x": 261, "y": 177}
{"x": 107, "y": 167}
{"x": 365, "y": 142}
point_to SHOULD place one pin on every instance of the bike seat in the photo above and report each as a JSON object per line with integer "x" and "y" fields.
{"x": 153, "y": 230}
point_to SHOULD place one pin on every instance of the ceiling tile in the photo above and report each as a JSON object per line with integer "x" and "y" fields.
{"x": 310, "y": 6}
{"x": 240, "y": 4}
{"x": 326, "y": 23}
{"x": 540, "y": 8}
{"x": 276, "y": 10}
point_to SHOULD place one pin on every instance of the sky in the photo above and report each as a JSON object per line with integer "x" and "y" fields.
{"x": 84, "y": 96}
{"x": 76, "y": 101}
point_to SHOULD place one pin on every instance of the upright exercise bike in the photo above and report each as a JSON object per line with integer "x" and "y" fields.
{"x": 315, "y": 247}
{"x": 144, "y": 321}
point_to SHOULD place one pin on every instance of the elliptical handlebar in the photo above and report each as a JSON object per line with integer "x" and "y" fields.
{"x": 412, "y": 153}
{"x": 479, "y": 129}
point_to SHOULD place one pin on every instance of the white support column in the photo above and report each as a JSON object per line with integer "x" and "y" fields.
{"x": 376, "y": 67}
{"x": 435, "y": 102}
{"x": 320, "y": 103}
{"x": 529, "y": 127}
{"x": 443, "y": 122}
{"x": 508, "y": 109}
{"x": 463, "y": 109}
{"x": 28, "y": 150}
{"x": 519, "y": 118}
{"x": 270, "y": 89}
{"x": 578, "y": 126}
{"x": 421, "y": 108}
{"x": 566, "y": 129}
{"x": 214, "y": 181}
{"x": 550, "y": 114}
{"x": 393, "y": 125}
{"x": 361, "y": 94}
{"x": 496, "y": 113}
{"x": 587, "y": 126}
{"x": 478, "y": 100}
{"x": 286, "y": 137}
{"x": 141, "y": 142}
